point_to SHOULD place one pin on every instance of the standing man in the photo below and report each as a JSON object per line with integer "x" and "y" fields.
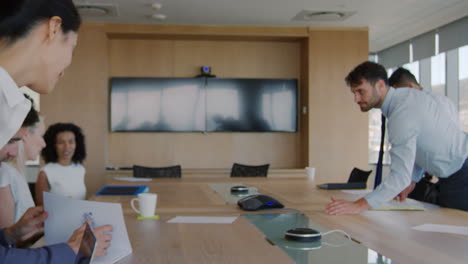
{"x": 423, "y": 137}
{"x": 425, "y": 190}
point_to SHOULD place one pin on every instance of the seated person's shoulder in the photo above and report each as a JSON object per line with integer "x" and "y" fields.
{"x": 7, "y": 174}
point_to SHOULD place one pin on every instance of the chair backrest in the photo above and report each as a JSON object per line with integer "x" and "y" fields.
{"x": 240, "y": 170}
{"x": 358, "y": 175}
{"x": 161, "y": 172}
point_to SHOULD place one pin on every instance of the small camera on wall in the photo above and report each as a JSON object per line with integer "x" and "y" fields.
{"x": 205, "y": 72}
{"x": 205, "y": 69}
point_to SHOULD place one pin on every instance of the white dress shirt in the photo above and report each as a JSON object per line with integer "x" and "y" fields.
{"x": 448, "y": 104}
{"x": 424, "y": 136}
{"x": 13, "y": 107}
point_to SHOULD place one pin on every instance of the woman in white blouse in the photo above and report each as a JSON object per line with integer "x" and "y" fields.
{"x": 63, "y": 173}
{"x": 14, "y": 190}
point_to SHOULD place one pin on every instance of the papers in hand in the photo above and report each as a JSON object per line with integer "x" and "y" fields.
{"x": 66, "y": 215}
{"x": 203, "y": 220}
{"x": 132, "y": 179}
{"x": 459, "y": 230}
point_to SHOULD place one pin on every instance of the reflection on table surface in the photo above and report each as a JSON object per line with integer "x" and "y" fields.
{"x": 333, "y": 247}
{"x": 386, "y": 232}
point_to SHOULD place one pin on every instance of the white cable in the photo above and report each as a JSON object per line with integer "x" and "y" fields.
{"x": 339, "y": 231}
{"x": 336, "y": 231}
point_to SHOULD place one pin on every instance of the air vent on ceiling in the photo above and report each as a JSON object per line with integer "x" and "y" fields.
{"x": 87, "y": 9}
{"x": 307, "y": 15}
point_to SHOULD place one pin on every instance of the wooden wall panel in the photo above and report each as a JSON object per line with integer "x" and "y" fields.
{"x": 338, "y": 131}
{"x": 183, "y": 58}
{"x": 303, "y": 151}
{"x": 333, "y": 133}
{"x": 141, "y": 58}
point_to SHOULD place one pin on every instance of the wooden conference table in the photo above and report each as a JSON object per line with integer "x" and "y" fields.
{"x": 387, "y": 232}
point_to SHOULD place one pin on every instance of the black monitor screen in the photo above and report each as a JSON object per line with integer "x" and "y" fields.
{"x": 157, "y": 104}
{"x": 203, "y": 104}
{"x": 251, "y": 105}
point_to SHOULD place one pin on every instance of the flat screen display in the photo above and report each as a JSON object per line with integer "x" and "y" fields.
{"x": 157, "y": 104}
{"x": 251, "y": 105}
{"x": 203, "y": 105}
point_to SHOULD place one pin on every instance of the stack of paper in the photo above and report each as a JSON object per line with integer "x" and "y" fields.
{"x": 450, "y": 229}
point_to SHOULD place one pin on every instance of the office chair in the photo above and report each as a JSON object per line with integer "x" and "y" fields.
{"x": 358, "y": 175}
{"x": 161, "y": 172}
{"x": 240, "y": 170}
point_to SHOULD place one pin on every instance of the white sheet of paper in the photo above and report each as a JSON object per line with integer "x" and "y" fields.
{"x": 361, "y": 192}
{"x": 66, "y": 215}
{"x": 132, "y": 179}
{"x": 203, "y": 219}
{"x": 451, "y": 229}
{"x": 408, "y": 205}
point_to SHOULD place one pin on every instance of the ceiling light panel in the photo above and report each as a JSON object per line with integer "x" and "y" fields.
{"x": 308, "y": 15}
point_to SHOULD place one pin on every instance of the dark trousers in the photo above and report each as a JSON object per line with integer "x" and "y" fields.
{"x": 453, "y": 191}
{"x": 425, "y": 190}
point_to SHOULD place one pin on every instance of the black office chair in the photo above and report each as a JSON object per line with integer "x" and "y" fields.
{"x": 161, "y": 172}
{"x": 358, "y": 175}
{"x": 240, "y": 170}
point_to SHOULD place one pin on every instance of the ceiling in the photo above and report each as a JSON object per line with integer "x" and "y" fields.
{"x": 389, "y": 21}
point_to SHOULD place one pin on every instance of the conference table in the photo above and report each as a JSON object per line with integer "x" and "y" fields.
{"x": 388, "y": 234}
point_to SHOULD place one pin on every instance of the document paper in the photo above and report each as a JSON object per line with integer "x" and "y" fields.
{"x": 408, "y": 205}
{"x": 203, "y": 219}
{"x": 451, "y": 229}
{"x": 66, "y": 215}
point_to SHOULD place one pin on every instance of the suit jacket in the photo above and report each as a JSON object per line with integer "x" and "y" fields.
{"x": 55, "y": 254}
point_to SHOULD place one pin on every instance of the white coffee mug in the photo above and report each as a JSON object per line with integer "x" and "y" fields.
{"x": 147, "y": 204}
{"x": 310, "y": 173}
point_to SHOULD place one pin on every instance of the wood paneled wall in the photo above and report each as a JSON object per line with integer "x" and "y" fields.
{"x": 338, "y": 130}
{"x": 333, "y": 132}
{"x": 183, "y": 58}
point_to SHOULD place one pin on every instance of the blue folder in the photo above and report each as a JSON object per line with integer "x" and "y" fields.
{"x": 121, "y": 190}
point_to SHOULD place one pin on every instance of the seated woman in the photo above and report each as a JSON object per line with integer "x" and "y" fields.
{"x": 64, "y": 154}
{"x": 15, "y": 196}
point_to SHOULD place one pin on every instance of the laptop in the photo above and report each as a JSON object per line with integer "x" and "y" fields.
{"x": 357, "y": 180}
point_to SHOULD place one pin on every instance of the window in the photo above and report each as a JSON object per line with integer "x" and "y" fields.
{"x": 375, "y": 122}
{"x": 463, "y": 85}
{"x": 438, "y": 74}
{"x": 413, "y": 67}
